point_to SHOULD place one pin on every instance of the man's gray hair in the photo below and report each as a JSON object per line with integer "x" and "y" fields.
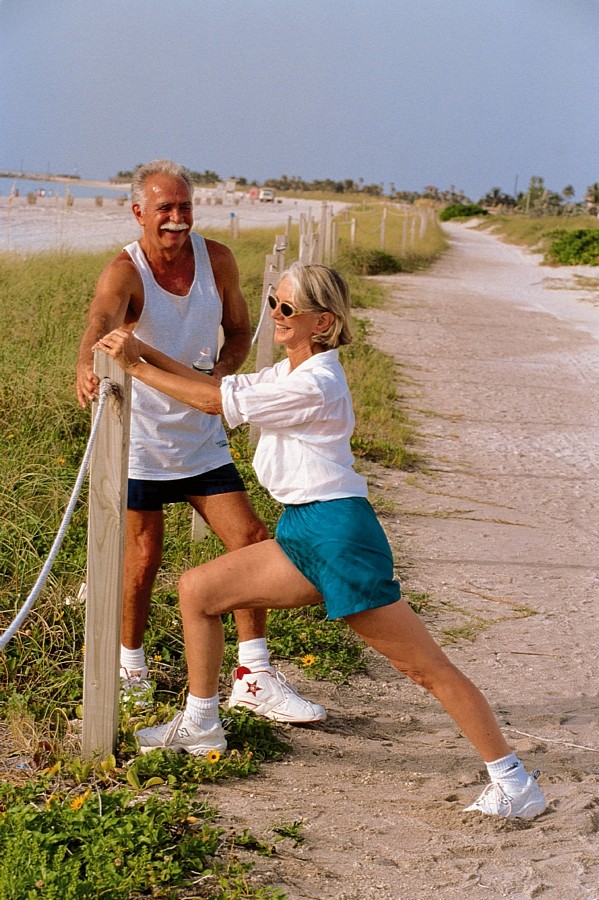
{"x": 157, "y": 167}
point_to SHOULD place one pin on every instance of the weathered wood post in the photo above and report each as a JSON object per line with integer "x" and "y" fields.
{"x": 105, "y": 556}
{"x": 334, "y": 241}
{"x": 273, "y": 266}
{"x": 383, "y": 228}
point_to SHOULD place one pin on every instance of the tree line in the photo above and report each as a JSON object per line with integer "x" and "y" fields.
{"x": 536, "y": 200}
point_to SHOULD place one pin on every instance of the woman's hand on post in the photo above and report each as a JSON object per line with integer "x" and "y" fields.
{"x": 123, "y": 346}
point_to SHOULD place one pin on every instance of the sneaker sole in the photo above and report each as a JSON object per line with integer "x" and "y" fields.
{"x": 277, "y": 717}
{"x": 193, "y": 751}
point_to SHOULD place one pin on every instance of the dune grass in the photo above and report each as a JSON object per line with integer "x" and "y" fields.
{"x": 537, "y": 232}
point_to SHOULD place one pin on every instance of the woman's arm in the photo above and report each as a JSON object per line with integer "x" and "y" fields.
{"x": 161, "y": 372}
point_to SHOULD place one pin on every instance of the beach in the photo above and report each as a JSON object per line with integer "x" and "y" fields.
{"x": 53, "y": 223}
{"x": 496, "y": 360}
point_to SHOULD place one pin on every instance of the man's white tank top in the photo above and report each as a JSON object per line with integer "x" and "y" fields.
{"x": 170, "y": 440}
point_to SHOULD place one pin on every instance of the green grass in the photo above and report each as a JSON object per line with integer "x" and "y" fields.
{"x": 43, "y": 435}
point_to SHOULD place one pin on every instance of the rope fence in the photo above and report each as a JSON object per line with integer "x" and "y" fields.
{"x": 106, "y": 388}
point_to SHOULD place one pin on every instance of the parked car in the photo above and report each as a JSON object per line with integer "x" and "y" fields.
{"x": 266, "y": 196}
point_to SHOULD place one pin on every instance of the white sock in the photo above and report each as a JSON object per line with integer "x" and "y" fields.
{"x": 508, "y": 770}
{"x": 203, "y": 711}
{"x": 254, "y": 654}
{"x": 132, "y": 660}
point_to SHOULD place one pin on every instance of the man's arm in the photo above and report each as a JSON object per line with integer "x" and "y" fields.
{"x": 117, "y": 288}
{"x": 236, "y": 318}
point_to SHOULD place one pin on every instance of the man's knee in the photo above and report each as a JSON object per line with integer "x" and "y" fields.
{"x": 257, "y": 531}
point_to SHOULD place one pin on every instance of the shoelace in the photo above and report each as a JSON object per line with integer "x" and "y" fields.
{"x": 282, "y": 679}
{"x": 171, "y": 732}
{"x": 496, "y": 789}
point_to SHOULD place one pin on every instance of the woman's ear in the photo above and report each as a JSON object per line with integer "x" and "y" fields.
{"x": 324, "y": 321}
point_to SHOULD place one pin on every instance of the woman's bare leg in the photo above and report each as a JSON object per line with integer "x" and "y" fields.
{"x": 398, "y": 633}
{"x": 259, "y": 576}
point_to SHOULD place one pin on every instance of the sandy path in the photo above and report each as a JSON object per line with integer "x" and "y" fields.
{"x": 502, "y": 535}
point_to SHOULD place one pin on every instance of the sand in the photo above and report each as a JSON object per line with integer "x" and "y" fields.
{"x": 497, "y": 365}
{"x": 50, "y": 224}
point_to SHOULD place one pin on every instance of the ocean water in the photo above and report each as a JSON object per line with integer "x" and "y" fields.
{"x": 59, "y": 188}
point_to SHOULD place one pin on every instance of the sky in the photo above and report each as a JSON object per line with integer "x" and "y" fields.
{"x": 474, "y": 94}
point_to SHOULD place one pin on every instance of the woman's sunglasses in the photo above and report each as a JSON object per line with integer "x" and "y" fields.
{"x": 286, "y": 309}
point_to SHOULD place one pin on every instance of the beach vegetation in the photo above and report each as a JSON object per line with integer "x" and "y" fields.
{"x": 539, "y": 233}
{"x": 574, "y": 248}
{"x": 462, "y": 211}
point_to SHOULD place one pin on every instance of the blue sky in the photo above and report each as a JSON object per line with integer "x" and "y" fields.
{"x": 471, "y": 93}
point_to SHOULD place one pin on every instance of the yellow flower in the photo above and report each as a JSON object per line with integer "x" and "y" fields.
{"x": 213, "y": 756}
{"x": 60, "y": 460}
{"x": 308, "y": 660}
{"x": 78, "y": 802}
{"x": 157, "y": 657}
{"x": 9, "y": 436}
{"x": 51, "y": 799}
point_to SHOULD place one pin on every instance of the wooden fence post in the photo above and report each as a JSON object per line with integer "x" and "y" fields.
{"x": 383, "y": 228}
{"x": 105, "y": 554}
{"x": 273, "y": 266}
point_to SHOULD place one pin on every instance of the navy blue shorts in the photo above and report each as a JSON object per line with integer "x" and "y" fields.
{"x": 341, "y": 547}
{"x": 152, "y": 495}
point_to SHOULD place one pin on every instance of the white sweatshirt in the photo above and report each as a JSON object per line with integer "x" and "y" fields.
{"x": 306, "y": 420}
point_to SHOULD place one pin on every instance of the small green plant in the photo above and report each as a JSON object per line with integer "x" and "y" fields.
{"x": 291, "y": 831}
{"x": 462, "y": 211}
{"x": 363, "y": 261}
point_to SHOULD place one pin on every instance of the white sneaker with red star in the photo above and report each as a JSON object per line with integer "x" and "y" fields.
{"x": 268, "y": 693}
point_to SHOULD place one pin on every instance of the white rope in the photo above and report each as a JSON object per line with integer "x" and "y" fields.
{"x": 261, "y": 320}
{"x": 106, "y": 388}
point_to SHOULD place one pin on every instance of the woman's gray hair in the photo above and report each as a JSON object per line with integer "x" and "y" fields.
{"x": 317, "y": 288}
{"x": 157, "y": 167}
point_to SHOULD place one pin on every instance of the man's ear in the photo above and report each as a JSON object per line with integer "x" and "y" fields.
{"x": 138, "y": 213}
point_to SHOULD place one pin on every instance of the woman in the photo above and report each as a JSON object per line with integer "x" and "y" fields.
{"x": 329, "y": 545}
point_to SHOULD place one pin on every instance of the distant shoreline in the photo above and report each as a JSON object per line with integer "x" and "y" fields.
{"x": 66, "y": 179}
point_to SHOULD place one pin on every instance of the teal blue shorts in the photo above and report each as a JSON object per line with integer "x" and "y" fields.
{"x": 341, "y": 548}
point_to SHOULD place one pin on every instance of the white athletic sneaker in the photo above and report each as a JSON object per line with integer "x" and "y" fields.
{"x": 181, "y": 734}
{"x": 136, "y": 688}
{"x": 269, "y": 694}
{"x": 498, "y": 800}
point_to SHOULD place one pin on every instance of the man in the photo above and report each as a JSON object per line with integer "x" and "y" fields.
{"x": 174, "y": 289}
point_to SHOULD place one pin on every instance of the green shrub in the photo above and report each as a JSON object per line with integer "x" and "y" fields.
{"x": 362, "y": 261}
{"x": 462, "y": 211}
{"x": 580, "y": 247}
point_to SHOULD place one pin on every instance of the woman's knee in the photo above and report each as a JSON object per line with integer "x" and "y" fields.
{"x": 192, "y": 593}
{"x": 434, "y": 676}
